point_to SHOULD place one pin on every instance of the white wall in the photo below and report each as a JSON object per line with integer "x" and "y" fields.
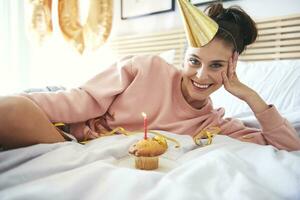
{"x": 165, "y": 21}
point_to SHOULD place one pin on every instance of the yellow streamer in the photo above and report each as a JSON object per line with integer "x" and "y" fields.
{"x": 128, "y": 133}
{"x": 206, "y": 133}
{"x": 58, "y": 124}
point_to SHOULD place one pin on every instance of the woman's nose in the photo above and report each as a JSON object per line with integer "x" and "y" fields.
{"x": 201, "y": 73}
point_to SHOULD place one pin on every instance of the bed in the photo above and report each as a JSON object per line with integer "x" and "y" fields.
{"x": 226, "y": 169}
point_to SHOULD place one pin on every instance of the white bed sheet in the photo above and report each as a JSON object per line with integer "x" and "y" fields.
{"x": 227, "y": 169}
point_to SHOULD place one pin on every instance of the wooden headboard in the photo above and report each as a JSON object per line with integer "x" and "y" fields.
{"x": 278, "y": 38}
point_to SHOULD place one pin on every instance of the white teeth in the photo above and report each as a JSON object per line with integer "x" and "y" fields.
{"x": 199, "y": 85}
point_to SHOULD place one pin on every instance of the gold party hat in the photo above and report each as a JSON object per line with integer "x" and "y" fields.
{"x": 199, "y": 28}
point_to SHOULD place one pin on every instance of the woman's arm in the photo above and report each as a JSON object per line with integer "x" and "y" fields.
{"x": 69, "y": 106}
{"x": 240, "y": 90}
{"x": 88, "y": 101}
{"x": 276, "y": 130}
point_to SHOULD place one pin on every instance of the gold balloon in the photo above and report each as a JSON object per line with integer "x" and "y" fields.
{"x": 199, "y": 28}
{"x": 94, "y": 32}
{"x": 40, "y": 19}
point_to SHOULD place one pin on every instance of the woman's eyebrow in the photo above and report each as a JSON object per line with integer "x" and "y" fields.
{"x": 219, "y": 61}
{"x": 194, "y": 55}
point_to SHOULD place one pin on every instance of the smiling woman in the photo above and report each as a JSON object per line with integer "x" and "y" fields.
{"x": 177, "y": 101}
{"x": 115, "y": 97}
{"x": 202, "y": 72}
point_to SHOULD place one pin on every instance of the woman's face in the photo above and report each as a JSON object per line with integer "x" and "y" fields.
{"x": 202, "y": 71}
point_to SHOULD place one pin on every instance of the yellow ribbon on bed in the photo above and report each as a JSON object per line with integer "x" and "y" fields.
{"x": 128, "y": 133}
{"x": 208, "y": 134}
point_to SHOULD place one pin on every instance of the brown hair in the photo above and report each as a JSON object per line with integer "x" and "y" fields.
{"x": 235, "y": 26}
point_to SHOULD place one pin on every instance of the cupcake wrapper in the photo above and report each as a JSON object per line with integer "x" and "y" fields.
{"x": 146, "y": 163}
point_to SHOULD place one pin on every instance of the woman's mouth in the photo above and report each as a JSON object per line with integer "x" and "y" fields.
{"x": 201, "y": 86}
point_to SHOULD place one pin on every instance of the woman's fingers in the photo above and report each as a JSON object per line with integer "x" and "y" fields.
{"x": 231, "y": 73}
{"x": 225, "y": 79}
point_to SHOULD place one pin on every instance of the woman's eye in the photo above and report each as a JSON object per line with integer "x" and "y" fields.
{"x": 194, "y": 61}
{"x": 216, "y": 65}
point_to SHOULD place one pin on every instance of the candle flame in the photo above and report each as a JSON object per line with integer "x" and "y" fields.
{"x": 144, "y": 114}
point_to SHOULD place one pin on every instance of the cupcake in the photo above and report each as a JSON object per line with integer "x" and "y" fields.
{"x": 147, "y": 152}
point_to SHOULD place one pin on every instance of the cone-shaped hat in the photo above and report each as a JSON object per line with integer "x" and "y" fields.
{"x": 199, "y": 28}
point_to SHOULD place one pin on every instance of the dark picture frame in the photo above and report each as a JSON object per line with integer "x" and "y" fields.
{"x": 131, "y": 9}
{"x": 205, "y": 2}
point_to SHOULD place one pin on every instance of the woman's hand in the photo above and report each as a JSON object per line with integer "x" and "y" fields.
{"x": 231, "y": 81}
{"x": 235, "y": 87}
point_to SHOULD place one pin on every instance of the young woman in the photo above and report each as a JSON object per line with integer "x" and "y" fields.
{"x": 174, "y": 100}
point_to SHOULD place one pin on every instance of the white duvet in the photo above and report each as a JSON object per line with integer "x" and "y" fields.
{"x": 102, "y": 169}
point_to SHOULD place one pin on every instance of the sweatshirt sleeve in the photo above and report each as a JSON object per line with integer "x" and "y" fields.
{"x": 275, "y": 130}
{"x": 88, "y": 101}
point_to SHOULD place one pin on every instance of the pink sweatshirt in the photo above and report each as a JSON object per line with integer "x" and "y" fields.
{"x": 117, "y": 96}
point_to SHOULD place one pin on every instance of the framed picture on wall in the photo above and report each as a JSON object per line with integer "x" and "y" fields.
{"x": 204, "y": 2}
{"x": 139, "y": 8}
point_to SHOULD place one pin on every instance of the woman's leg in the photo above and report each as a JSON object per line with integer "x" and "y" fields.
{"x": 23, "y": 123}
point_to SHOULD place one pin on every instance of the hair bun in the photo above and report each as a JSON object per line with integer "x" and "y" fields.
{"x": 214, "y": 10}
{"x": 236, "y": 20}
